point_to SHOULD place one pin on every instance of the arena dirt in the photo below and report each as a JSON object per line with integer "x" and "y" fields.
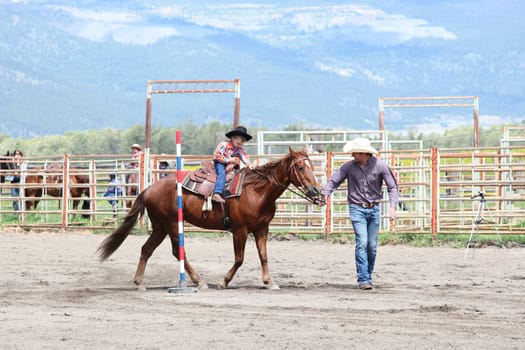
{"x": 55, "y": 294}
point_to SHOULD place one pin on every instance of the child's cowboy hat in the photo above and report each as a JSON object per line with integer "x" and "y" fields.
{"x": 239, "y": 131}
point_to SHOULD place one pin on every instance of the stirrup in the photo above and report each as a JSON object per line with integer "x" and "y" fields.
{"x": 226, "y": 221}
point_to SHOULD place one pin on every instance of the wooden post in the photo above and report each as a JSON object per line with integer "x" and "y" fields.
{"x": 435, "y": 194}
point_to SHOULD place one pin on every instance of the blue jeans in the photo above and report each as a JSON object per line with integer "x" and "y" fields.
{"x": 15, "y": 192}
{"x": 111, "y": 194}
{"x": 220, "y": 169}
{"x": 365, "y": 222}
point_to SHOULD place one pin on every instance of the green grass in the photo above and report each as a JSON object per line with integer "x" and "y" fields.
{"x": 453, "y": 241}
{"x": 416, "y": 240}
{"x": 419, "y": 240}
{"x": 55, "y": 218}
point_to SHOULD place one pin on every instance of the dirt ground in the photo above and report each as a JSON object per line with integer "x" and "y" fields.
{"x": 55, "y": 294}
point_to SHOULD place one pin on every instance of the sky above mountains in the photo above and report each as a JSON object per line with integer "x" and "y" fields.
{"x": 278, "y": 24}
{"x": 318, "y": 63}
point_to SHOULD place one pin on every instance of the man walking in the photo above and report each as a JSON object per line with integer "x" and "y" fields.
{"x": 365, "y": 175}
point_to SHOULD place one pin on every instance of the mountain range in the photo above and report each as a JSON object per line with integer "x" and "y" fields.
{"x": 75, "y": 66}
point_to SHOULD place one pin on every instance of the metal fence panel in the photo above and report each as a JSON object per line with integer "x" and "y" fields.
{"x": 436, "y": 189}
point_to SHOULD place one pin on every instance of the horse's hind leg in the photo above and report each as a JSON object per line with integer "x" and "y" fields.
{"x": 76, "y": 202}
{"x": 239, "y": 244}
{"x": 194, "y": 275}
{"x": 154, "y": 240}
{"x": 261, "y": 239}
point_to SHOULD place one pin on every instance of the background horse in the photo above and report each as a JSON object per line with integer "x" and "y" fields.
{"x": 33, "y": 188}
{"x": 251, "y": 212}
{"x": 53, "y": 186}
{"x": 131, "y": 187}
{"x": 6, "y": 165}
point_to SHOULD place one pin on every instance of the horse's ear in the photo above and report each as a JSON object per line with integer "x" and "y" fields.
{"x": 304, "y": 149}
{"x": 290, "y": 149}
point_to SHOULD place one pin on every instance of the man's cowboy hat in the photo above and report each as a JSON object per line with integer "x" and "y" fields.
{"x": 359, "y": 145}
{"x": 239, "y": 131}
{"x": 137, "y": 146}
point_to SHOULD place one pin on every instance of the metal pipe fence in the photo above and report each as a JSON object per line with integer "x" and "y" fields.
{"x": 436, "y": 188}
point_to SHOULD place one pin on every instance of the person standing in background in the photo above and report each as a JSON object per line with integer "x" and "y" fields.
{"x": 16, "y": 177}
{"x": 163, "y": 167}
{"x": 113, "y": 192}
{"x": 135, "y": 156}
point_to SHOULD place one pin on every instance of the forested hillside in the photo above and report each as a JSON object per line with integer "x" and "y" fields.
{"x": 202, "y": 139}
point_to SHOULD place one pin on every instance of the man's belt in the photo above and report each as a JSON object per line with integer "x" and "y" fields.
{"x": 367, "y": 205}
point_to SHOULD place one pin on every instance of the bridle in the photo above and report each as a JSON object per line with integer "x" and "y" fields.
{"x": 293, "y": 169}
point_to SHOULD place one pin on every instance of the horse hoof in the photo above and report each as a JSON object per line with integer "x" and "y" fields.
{"x": 202, "y": 286}
{"x": 274, "y": 287}
{"x": 141, "y": 288}
{"x": 222, "y": 285}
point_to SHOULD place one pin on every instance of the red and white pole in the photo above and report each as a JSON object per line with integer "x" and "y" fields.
{"x": 180, "y": 215}
{"x": 182, "y": 280}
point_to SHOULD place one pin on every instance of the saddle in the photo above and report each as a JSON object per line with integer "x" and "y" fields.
{"x": 202, "y": 181}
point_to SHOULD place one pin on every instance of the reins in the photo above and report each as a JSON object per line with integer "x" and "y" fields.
{"x": 302, "y": 188}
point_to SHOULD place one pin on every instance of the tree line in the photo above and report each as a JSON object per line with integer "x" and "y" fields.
{"x": 202, "y": 139}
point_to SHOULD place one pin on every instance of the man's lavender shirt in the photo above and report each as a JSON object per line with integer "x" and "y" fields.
{"x": 364, "y": 186}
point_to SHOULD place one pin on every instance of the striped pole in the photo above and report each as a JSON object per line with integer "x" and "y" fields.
{"x": 182, "y": 280}
{"x": 180, "y": 216}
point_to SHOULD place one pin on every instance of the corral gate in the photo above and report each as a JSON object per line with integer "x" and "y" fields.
{"x": 431, "y": 102}
{"x": 157, "y": 87}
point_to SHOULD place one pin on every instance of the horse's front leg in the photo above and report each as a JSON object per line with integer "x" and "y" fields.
{"x": 76, "y": 202}
{"x": 239, "y": 244}
{"x": 261, "y": 238}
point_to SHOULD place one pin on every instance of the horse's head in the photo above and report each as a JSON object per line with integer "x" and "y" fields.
{"x": 56, "y": 170}
{"x": 6, "y": 164}
{"x": 302, "y": 175}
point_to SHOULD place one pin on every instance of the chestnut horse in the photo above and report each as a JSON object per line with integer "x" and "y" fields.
{"x": 131, "y": 188}
{"x": 53, "y": 185}
{"x": 252, "y": 211}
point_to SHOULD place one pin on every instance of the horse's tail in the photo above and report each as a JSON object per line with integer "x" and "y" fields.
{"x": 113, "y": 241}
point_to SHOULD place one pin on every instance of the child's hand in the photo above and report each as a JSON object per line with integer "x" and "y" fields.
{"x": 234, "y": 160}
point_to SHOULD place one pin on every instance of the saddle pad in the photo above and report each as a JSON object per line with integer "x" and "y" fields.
{"x": 233, "y": 188}
{"x": 190, "y": 184}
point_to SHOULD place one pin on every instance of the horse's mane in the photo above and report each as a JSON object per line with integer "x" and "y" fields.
{"x": 259, "y": 176}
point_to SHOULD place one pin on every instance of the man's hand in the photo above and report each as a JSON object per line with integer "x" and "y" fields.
{"x": 392, "y": 213}
{"x": 321, "y": 201}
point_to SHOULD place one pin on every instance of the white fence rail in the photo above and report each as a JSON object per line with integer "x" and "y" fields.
{"x": 436, "y": 187}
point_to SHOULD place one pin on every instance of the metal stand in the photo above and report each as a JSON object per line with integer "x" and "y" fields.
{"x": 182, "y": 288}
{"x": 479, "y": 219}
